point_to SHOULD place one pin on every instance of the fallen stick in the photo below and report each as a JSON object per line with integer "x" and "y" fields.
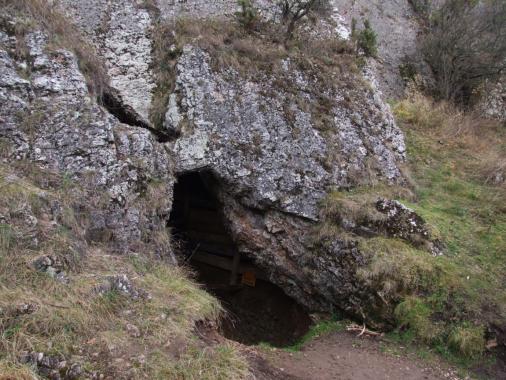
{"x": 362, "y": 330}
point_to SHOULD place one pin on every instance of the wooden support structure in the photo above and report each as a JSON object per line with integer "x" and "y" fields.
{"x": 235, "y": 268}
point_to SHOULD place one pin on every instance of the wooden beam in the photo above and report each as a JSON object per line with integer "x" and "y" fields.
{"x": 209, "y": 237}
{"x": 235, "y": 268}
{"x": 226, "y": 264}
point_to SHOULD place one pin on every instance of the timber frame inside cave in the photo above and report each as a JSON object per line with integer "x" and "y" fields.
{"x": 257, "y": 310}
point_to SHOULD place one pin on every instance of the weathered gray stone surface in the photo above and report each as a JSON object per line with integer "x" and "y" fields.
{"x": 120, "y": 30}
{"x": 397, "y": 28}
{"x": 273, "y": 172}
{"x": 170, "y": 9}
{"x": 272, "y": 162}
{"x": 48, "y": 117}
{"x": 244, "y": 136}
{"x": 493, "y": 100}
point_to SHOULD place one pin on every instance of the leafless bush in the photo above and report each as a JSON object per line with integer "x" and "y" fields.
{"x": 466, "y": 45}
{"x": 293, "y": 11}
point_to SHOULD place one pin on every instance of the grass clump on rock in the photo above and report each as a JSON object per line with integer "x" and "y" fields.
{"x": 144, "y": 328}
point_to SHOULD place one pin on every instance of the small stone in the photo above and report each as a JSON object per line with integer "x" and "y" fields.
{"x": 133, "y": 330}
{"x": 74, "y": 372}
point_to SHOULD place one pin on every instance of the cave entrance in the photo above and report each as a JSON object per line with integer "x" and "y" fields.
{"x": 257, "y": 310}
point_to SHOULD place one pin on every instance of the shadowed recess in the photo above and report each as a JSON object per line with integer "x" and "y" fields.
{"x": 257, "y": 310}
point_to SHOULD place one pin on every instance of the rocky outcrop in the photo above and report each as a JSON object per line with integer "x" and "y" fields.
{"x": 272, "y": 158}
{"x": 55, "y": 367}
{"x": 122, "y": 285}
{"x": 267, "y": 160}
{"x": 492, "y": 103}
{"x": 397, "y": 29}
{"x": 120, "y": 30}
{"x": 48, "y": 117}
{"x": 273, "y": 171}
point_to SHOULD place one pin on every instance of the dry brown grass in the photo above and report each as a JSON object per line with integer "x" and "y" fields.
{"x": 9, "y": 371}
{"x": 484, "y": 155}
{"x": 74, "y": 319}
{"x": 63, "y": 34}
{"x": 257, "y": 55}
{"x": 358, "y": 205}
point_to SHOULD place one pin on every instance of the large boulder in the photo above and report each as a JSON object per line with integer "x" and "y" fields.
{"x": 239, "y": 129}
{"x": 272, "y": 157}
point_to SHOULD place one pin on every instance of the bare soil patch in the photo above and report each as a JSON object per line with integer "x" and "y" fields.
{"x": 344, "y": 356}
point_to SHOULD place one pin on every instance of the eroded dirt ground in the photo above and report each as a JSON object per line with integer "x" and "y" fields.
{"x": 344, "y": 356}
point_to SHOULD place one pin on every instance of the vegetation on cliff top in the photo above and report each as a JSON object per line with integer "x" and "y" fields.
{"x": 255, "y": 48}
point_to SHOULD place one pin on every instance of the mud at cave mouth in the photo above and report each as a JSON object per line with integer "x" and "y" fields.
{"x": 256, "y": 309}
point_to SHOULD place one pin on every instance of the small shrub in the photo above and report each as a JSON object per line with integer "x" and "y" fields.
{"x": 408, "y": 72}
{"x": 248, "y": 15}
{"x": 468, "y": 340}
{"x": 415, "y": 315}
{"x": 465, "y": 46}
{"x": 365, "y": 39}
{"x": 421, "y": 7}
{"x": 294, "y": 11}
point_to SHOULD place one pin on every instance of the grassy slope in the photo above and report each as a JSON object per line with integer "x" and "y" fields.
{"x": 78, "y": 323}
{"x": 453, "y": 159}
{"x": 449, "y": 301}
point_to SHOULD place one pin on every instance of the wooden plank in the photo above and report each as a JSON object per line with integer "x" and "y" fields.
{"x": 209, "y": 237}
{"x": 203, "y": 204}
{"x": 206, "y": 226}
{"x": 235, "y": 267}
{"x": 199, "y": 214}
{"x": 218, "y": 249}
{"x": 226, "y": 264}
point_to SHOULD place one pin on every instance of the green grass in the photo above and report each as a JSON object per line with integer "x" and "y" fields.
{"x": 468, "y": 214}
{"x": 443, "y": 302}
{"x": 447, "y": 159}
{"x": 321, "y": 328}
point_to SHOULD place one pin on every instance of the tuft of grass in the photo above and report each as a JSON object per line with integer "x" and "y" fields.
{"x": 468, "y": 340}
{"x": 63, "y": 34}
{"x": 358, "y": 205}
{"x": 11, "y": 371}
{"x": 414, "y": 314}
{"x": 396, "y": 268}
{"x": 221, "y": 362}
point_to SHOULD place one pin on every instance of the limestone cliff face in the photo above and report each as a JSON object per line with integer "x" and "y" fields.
{"x": 49, "y": 119}
{"x": 272, "y": 162}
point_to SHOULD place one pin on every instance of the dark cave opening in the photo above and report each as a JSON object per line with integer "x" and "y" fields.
{"x": 257, "y": 310}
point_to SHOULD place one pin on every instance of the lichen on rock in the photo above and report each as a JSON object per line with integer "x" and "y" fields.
{"x": 276, "y": 137}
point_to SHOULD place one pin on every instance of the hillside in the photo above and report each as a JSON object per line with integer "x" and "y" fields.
{"x": 185, "y": 184}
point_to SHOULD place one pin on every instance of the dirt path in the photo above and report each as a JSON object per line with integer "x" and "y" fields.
{"x": 344, "y": 356}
